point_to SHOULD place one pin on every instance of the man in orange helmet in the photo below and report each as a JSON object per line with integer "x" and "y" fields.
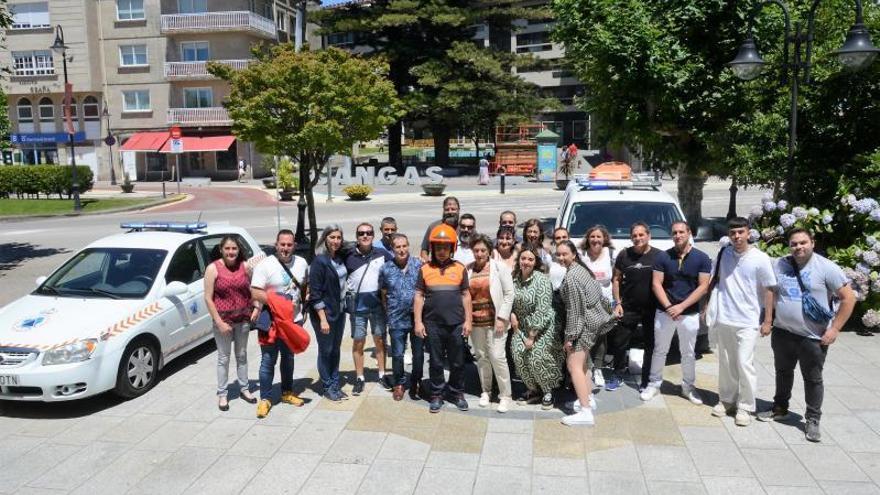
{"x": 442, "y": 310}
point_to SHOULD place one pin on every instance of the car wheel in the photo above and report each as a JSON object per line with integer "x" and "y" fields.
{"x": 138, "y": 369}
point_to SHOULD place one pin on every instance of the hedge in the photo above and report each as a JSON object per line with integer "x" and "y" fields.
{"x": 26, "y": 181}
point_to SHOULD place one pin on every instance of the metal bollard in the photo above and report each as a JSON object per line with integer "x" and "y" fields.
{"x": 163, "y": 189}
{"x": 503, "y": 175}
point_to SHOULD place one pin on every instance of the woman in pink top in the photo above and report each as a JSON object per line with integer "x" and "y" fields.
{"x": 228, "y": 297}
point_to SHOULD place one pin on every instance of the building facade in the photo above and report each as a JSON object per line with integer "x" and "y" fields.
{"x": 137, "y": 68}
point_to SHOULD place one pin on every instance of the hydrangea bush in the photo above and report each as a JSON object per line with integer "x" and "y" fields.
{"x": 849, "y": 235}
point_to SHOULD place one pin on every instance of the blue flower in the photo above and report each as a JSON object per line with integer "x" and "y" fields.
{"x": 871, "y": 258}
{"x": 876, "y": 247}
{"x": 780, "y": 230}
{"x": 826, "y": 219}
{"x": 787, "y": 220}
{"x": 865, "y": 206}
{"x": 756, "y": 212}
{"x": 799, "y": 212}
{"x": 875, "y": 214}
{"x": 782, "y": 204}
{"x": 767, "y": 196}
{"x": 769, "y": 206}
{"x": 871, "y": 240}
{"x": 754, "y": 235}
{"x": 863, "y": 268}
{"x": 813, "y": 211}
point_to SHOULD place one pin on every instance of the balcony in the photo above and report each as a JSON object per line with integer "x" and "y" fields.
{"x": 244, "y": 21}
{"x": 189, "y": 71}
{"x": 191, "y": 117}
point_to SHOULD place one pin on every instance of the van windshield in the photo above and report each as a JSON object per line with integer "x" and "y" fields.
{"x": 112, "y": 273}
{"x": 618, "y": 217}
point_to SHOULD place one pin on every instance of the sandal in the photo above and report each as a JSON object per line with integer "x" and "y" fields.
{"x": 223, "y": 403}
{"x": 248, "y": 397}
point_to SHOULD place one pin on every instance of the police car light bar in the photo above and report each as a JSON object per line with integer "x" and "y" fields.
{"x": 639, "y": 181}
{"x": 189, "y": 228}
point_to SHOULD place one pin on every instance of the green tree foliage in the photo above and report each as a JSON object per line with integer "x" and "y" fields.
{"x": 420, "y": 40}
{"x": 309, "y": 105}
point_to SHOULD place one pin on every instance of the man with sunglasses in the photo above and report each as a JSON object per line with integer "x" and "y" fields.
{"x": 364, "y": 303}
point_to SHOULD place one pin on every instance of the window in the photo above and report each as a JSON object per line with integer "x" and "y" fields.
{"x": 30, "y": 15}
{"x": 136, "y": 101}
{"x": 129, "y": 10}
{"x": 192, "y": 6}
{"x": 25, "y": 110}
{"x": 211, "y": 246}
{"x": 90, "y": 108}
{"x": 281, "y": 22}
{"x": 184, "y": 266}
{"x": 35, "y": 63}
{"x": 133, "y": 55}
{"x": 340, "y": 39}
{"x": 47, "y": 109}
{"x": 618, "y": 216}
{"x": 533, "y": 42}
{"x": 198, "y": 97}
{"x": 117, "y": 273}
{"x": 195, "y": 51}
{"x": 227, "y": 160}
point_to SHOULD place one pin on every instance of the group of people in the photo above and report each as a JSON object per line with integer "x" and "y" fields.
{"x": 547, "y": 311}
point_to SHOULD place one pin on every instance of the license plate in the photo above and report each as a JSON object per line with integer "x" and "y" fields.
{"x": 8, "y": 380}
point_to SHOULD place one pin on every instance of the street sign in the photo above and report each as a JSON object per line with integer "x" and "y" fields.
{"x": 176, "y": 145}
{"x": 175, "y": 132}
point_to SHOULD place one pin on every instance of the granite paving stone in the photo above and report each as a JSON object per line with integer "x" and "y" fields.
{"x": 229, "y": 475}
{"x": 177, "y": 471}
{"x": 33, "y": 465}
{"x": 284, "y": 473}
{"x": 507, "y": 449}
{"x": 559, "y": 467}
{"x": 312, "y": 438}
{"x": 391, "y": 477}
{"x": 778, "y": 467}
{"x": 335, "y": 479}
{"x": 554, "y": 485}
{"x": 123, "y": 473}
{"x": 616, "y": 483}
{"x": 79, "y": 467}
{"x": 355, "y": 447}
{"x": 829, "y": 463}
{"x": 723, "y": 485}
{"x": 658, "y": 487}
{"x": 135, "y": 428}
{"x": 851, "y": 433}
{"x": 222, "y": 433}
{"x": 503, "y": 480}
{"x": 172, "y": 435}
{"x": 443, "y": 481}
{"x": 404, "y": 448}
{"x": 261, "y": 441}
{"x": 869, "y": 463}
{"x": 667, "y": 463}
{"x": 718, "y": 459}
{"x": 849, "y": 488}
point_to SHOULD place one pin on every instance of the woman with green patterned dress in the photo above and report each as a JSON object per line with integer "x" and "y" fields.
{"x": 536, "y": 344}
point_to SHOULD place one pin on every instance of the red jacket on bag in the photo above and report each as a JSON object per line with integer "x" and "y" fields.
{"x": 291, "y": 333}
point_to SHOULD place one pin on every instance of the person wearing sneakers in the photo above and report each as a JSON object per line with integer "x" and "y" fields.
{"x": 284, "y": 273}
{"x": 597, "y": 252}
{"x": 745, "y": 282}
{"x": 491, "y": 288}
{"x": 363, "y": 304}
{"x": 681, "y": 279}
{"x": 587, "y": 317}
{"x": 801, "y": 334}
{"x": 397, "y": 281}
{"x": 442, "y": 308}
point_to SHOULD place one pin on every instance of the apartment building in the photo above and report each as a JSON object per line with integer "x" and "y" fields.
{"x": 137, "y": 67}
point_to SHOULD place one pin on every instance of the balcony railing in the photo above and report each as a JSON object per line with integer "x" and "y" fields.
{"x": 219, "y": 21}
{"x": 199, "y": 116}
{"x": 198, "y": 70}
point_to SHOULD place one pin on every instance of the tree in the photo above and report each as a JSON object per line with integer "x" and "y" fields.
{"x": 409, "y": 33}
{"x": 309, "y": 105}
{"x": 656, "y": 80}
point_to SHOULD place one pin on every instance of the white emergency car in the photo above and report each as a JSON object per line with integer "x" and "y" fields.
{"x": 613, "y": 196}
{"x": 113, "y": 314}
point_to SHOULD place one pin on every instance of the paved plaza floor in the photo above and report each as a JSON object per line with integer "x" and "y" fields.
{"x": 174, "y": 440}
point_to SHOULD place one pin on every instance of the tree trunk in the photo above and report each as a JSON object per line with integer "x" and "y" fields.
{"x": 310, "y": 207}
{"x": 441, "y": 143}
{"x": 395, "y": 153}
{"x": 477, "y": 146}
{"x": 690, "y": 195}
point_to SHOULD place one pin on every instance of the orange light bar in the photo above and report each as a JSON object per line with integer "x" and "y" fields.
{"x": 613, "y": 171}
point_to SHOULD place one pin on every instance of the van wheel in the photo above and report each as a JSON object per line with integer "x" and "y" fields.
{"x": 138, "y": 369}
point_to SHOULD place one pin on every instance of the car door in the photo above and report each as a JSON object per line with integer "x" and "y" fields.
{"x": 189, "y": 320}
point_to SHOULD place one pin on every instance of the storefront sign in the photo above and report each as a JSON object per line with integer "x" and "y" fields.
{"x": 384, "y": 176}
{"x": 51, "y": 137}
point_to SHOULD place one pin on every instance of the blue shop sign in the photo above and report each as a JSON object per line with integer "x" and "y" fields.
{"x": 49, "y": 137}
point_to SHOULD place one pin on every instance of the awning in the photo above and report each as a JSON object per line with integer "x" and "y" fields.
{"x": 196, "y": 144}
{"x": 146, "y": 141}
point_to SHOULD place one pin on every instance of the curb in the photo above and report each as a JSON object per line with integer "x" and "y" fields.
{"x": 174, "y": 198}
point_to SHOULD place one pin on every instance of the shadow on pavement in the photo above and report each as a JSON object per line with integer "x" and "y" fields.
{"x": 13, "y": 254}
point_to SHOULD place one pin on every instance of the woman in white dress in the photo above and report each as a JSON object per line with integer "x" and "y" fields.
{"x": 484, "y": 170}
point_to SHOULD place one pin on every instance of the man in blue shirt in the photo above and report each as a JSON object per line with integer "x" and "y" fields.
{"x": 681, "y": 278}
{"x": 397, "y": 281}
{"x": 364, "y": 264}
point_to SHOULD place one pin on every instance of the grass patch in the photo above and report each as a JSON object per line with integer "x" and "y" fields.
{"x": 23, "y": 207}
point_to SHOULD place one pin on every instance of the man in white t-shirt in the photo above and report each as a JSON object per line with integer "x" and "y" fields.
{"x": 745, "y": 282}
{"x": 284, "y": 273}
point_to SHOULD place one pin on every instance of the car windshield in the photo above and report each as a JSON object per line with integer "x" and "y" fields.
{"x": 113, "y": 273}
{"x": 618, "y": 217}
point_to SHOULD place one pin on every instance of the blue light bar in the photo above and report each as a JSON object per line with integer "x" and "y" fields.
{"x": 190, "y": 227}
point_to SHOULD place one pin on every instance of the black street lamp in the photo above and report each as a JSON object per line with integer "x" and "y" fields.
{"x": 303, "y": 243}
{"x": 109, "y": 141}
{"x": 60, "y": 48}
{"x": 856, "y": 53}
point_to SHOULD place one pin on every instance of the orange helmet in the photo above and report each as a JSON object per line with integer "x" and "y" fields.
{"x": 443, "y": 234}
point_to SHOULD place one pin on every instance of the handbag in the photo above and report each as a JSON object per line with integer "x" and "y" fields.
{"x": 713, "y": 305}
{"x": 349, "y": 301}
{"x": 812, "y": 309}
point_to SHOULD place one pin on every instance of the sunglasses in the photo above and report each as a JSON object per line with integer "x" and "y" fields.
{"x": 365, "y": 233}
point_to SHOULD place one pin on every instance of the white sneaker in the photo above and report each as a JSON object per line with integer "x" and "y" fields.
{"x": 649, "y": 393}
{"x": 598, "y": 379}
{"x": 721, "y": 410}
{"x": 582, "y": 417}
{"x": 576, "y": 405}
{"x": 503, "y": 405}
{"x": 692, "y": 395}
{"x": 743, "y": 418}
{"x": 484, "y": 400}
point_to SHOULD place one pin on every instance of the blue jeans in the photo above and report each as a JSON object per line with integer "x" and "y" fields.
{"x": 398, "y": 347}
{"x": 328, "y": 350}
{"x": 376, "y": 319}
{"x": 267, "y": 368}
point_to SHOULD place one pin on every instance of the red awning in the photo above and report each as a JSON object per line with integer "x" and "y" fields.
{"x": 196, "y": 144}
{"x": 146, "y": 141}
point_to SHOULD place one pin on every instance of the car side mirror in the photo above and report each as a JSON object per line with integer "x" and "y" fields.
{"x": 175, "y": 288}
{"x": 40, "y": 280}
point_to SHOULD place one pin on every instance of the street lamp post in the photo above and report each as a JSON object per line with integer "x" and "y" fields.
{"x": 856, "y": 53}
{"x": 60, "y": 48}
{"x": 110, "y": 141}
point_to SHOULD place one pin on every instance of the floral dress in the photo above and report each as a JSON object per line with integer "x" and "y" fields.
{"x": 541, "y": 366}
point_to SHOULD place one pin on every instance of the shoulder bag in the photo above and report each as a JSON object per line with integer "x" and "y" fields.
{"x": 812, "y": 309}
{"x": 712, "y": 307}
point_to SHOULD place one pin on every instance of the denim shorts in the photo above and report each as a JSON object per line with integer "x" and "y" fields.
{"x": 376, "y": 319}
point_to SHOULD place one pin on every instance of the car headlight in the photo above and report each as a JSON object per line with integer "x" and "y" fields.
{"x": 71, "y": 353}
